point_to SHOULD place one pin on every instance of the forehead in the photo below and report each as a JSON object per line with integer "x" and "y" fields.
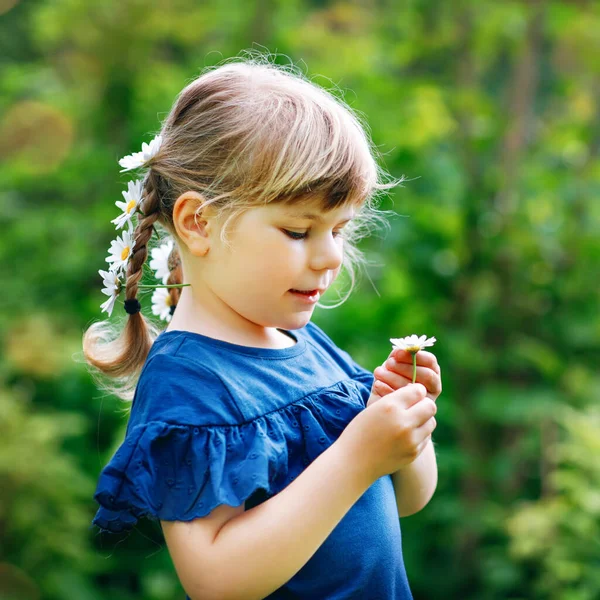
{"x": 314, "y": 211}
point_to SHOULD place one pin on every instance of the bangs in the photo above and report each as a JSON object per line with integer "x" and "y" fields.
{"x": 328, "y": 194}
{"x": 312, "y": 147}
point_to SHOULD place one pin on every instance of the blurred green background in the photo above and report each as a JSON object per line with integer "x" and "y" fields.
{"x": 491, "y": 109}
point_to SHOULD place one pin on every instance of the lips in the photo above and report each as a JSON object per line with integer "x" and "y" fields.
{"x": 310, "y": 291}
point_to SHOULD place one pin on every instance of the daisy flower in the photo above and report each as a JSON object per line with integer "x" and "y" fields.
{"x": 160, "y": 260}
{"x": 139, "y": 159}
{"x": 120, "y": 251}
{"x": 413, "y": 344}
{"x": 112, "y": 288}
{"x": 133, "y": 196}
{"x": 162, "y": 303}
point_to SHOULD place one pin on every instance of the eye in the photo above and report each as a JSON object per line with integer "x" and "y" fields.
{"x": 294, "y": 234}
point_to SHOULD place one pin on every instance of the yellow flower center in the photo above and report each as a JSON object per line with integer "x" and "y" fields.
{"x": 125, "y": 253}
{"x": 130, "y": 206}
{"x": 413, "y": 349}
{"x": 168, "y": 300}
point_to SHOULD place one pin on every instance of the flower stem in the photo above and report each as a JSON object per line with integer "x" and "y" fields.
{"x": 414, "y": 366}
{"x": 172, "y": 285}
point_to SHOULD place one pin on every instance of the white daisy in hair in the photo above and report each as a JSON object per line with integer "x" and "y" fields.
{"x": 133, "y": 197}
{"x": 120, "y": 251}
{"x": 161, "y": 304}
{"x": 139, "y": 159}
{"x": 112, "y": 288}
{"x": 412, "y": 343}
{"x": 160, "y": 260}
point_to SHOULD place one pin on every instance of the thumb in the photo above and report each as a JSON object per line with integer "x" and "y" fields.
{"x": 410, "y": 394}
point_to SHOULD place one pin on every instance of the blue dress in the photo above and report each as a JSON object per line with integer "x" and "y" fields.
{"x": 218, "y": 423}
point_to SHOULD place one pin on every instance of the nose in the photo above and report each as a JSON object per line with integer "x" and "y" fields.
{"x": 327, "y": 253}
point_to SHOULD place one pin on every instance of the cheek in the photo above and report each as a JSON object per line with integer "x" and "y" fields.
{"x": 268, "y": 257}
{"x": 283, "y": 264}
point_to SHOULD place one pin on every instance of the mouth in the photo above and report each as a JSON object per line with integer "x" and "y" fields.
{"x": 311, "y": 296}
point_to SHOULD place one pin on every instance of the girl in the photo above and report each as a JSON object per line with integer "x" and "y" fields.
{"x": 275, "y": 464}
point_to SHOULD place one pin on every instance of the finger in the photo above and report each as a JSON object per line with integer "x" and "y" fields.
{"x": 394, "y": 380}
{"x": 422, "y": 445}
{"x": 421, "y": 412}
{"x": 383, "y": 389}
{"x": 430, "y": 379}
{"x": 409, "y": 395}
{"x": 425, "y": 430}
{"x": 424, "y": 359}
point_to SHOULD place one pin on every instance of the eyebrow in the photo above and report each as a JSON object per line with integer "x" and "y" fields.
{"x": 314, "y": 217}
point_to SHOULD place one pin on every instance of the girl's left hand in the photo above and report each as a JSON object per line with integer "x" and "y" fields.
{"x": 397, "y": 372}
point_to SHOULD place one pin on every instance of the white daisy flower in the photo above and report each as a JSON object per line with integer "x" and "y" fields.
{"x": 133, "y": 197}
{"x": 120, "y": 251}
{"x": 161, "y": 303}
{"x": 412, "y": 343}
{"x": 160, "y": 260}
{"x": 139, "y": 159}
{"x": 112, "y": 288}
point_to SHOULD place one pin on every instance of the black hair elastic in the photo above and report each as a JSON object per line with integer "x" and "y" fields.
{"x": 132, "y": 306}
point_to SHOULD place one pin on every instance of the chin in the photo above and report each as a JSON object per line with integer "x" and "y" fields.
{"x": 298, "y": 322}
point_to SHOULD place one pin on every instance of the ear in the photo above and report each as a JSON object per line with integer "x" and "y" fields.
{"x": 192, "y": 228}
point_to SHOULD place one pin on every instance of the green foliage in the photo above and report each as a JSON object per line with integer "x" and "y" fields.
{"x": 561, "y": 531}
{"x": 43, "y": 497}
{"x": 491, "y": 111}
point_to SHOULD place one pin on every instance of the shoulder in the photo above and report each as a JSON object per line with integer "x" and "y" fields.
{"x": 317, "y": 335}
{"x": 340, "y": 356}
{"x": 164, "y": 368}
{"x": 177, "y": 388}
{"x": 319, "y": 338}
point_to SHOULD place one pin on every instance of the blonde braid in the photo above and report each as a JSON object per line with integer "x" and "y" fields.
{"x": 175, "y": 277}
{"x": 150, "y": 212}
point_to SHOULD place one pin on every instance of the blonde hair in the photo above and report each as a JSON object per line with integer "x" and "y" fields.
{"x": 244, "y": 133}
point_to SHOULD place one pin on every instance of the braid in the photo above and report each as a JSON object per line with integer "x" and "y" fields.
{"x": 175, "y": 277}
{"x": 150, "y": 207}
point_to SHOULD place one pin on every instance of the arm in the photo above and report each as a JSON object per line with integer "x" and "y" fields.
{"x": 415, "y": 484}
{"x": 256, "y": 552}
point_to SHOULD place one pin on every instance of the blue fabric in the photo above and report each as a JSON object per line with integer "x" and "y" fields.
{"x": 218, "y": 423}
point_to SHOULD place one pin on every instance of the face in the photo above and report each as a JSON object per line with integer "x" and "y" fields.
{"x": 275, "y": 249}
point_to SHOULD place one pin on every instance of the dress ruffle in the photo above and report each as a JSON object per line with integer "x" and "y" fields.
{"x": 180, "y": 472}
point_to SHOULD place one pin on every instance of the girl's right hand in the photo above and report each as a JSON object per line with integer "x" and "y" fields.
{"x": 390, "y": 433}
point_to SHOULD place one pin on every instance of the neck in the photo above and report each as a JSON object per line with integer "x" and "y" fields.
{"x": 201, "y": 311}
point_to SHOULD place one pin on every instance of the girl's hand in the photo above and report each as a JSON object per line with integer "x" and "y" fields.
{"x": 397, "y": 372}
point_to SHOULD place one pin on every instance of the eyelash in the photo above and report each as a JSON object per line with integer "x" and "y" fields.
{"x": 300, "y": 236}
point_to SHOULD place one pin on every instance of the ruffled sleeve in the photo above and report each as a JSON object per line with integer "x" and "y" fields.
{"x": 182, "y": 470}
